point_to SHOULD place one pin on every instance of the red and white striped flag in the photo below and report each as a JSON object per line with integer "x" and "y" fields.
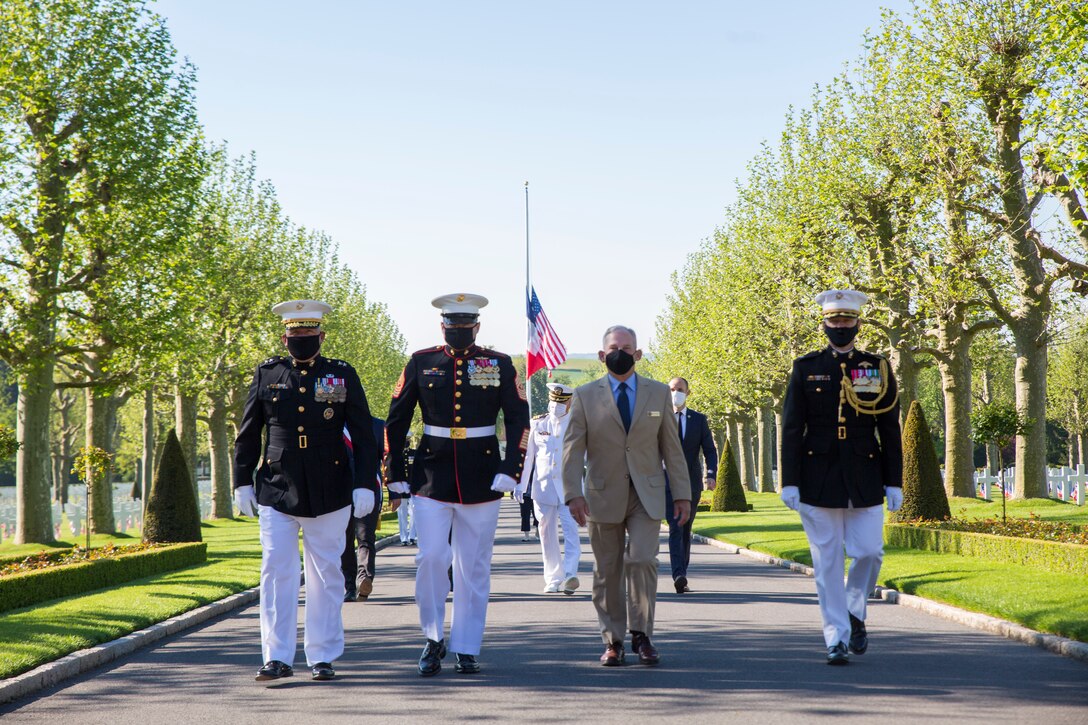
{"x": 546, "y": 350}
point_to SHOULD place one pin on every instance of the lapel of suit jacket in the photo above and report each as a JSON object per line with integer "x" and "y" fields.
{"x": 604, "y": 389}
{"x": 642, "y": 394}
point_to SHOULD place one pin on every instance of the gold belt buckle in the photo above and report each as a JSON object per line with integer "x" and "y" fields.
{"x": 842, "y": 432}
{"x": 458, "y": 434}
{"x": 302, "y": 441}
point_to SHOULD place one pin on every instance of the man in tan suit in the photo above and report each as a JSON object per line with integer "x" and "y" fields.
{"x": 623, "y": 434}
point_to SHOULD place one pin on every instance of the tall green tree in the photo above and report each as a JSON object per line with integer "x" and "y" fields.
{"x": 91, "y": 95}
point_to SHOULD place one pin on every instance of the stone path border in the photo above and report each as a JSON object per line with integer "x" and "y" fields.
{"x": 1050, "y": 642}
{"x": 82, "y": 660}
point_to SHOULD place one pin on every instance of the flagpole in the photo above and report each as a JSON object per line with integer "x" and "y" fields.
{"x": 528, "y": 297}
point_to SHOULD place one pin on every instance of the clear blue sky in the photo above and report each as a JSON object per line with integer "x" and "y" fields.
{"x": 406, "y": 130}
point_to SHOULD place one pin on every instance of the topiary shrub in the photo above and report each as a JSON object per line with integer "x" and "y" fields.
{"x": 924, "y": 496}
{"x": 172, "y": 511}
{"x": 729, "y": 493}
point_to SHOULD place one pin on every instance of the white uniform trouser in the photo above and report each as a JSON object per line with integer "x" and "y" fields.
{"x": 406, "y": 519}
{"x": 323, "y": 543}
{"x": 473, "y": 538}
{"x": 557, "y": 569}
{"x": 861, "y": 532}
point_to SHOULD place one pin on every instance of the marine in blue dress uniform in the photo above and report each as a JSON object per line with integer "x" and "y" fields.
{"x": 304, "y": 480}
{"x": 459, "y": 474}
{"x": 842, "y": 456}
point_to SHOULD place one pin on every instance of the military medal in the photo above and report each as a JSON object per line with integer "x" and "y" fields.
{"x": 483, "y": 372}
{"x": 329, "y": 413}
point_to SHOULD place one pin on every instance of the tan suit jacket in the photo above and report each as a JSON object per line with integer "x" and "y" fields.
{"x": 614, "y": 459}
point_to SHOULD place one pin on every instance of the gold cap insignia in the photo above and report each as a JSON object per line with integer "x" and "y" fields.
{"x": 838, "y": 295}
{"x": 460, "y": 298}
{"x": 299, "y": 306}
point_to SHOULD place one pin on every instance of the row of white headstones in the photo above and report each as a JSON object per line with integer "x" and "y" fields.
{"x": 1063, "y": 484}
{"x": 69, "y": 519}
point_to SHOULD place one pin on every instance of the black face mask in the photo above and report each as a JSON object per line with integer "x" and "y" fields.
{"x": 619, "y": 362}
{"x": 460, "y": 338}
{"x": 841, "y": 336}
{"x": 305, "y": 347}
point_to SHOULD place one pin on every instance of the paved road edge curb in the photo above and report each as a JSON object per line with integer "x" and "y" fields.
{"x": 80, "y": 661}
{"x": 1050, "y": 642}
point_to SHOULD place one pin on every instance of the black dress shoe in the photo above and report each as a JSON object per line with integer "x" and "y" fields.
{"x": 647, "y": 653}
{"x": 430, "y": 662}
{"x": 274, "y": 670}
{"x": 681, "y": 584}
{"x": 322, "y": 671}
{"x": 466, "y": 664}
{"x": 837, "y": 655}
{"x": 349, "y": 595}
{"x": 859, "y": 638}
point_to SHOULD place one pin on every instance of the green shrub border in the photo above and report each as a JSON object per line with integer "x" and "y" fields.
{"x": 1053, "y": 556}
{"x": 32, "y": 587}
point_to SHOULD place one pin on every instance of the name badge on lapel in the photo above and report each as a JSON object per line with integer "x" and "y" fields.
{"x": 655, "y": 413}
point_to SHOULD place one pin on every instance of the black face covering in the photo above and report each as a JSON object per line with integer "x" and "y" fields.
{"x": 619, "y": 361}
{"x": 841, "y": 336}
{"x": 460, "y": 338}
{"x": 305, "y": 347}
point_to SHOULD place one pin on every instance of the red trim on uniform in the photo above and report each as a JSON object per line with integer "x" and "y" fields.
{"x": 400, "y": 385}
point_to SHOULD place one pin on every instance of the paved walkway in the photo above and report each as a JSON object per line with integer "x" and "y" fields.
{"x": 744, "y": 647}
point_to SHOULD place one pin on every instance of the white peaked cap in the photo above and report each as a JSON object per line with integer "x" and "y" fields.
{"x": 301, "y": 313}
{"x": 841, "y": 302}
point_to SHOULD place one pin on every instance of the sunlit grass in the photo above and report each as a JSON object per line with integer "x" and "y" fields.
{"x": 1044, "y": 601}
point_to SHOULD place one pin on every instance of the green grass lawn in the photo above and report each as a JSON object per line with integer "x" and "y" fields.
{"x": 43, "y": 633}
{"x": 1055, "y": 603}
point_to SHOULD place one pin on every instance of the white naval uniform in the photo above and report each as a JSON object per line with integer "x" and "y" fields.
{"x": 544, "y": 464}
{"x": 406, "y": 520}
{"x": 322, "y": 544}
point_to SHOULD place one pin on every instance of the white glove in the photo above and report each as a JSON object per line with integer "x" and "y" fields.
{"x": 519, "y": 493}
{"x": 503, "y": 483}
{"x": 894, "y": 495}
{"x": 245, "y": 498}
{"x": 791, "y": 496}
{"x": 362, "y": 502}
{"x": 399, "y": 487}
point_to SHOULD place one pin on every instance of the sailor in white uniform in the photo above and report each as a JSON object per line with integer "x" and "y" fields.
{"x": 544, "y": 472}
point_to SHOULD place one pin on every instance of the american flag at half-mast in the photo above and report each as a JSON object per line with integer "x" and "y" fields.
{"x": 546, "y": 350}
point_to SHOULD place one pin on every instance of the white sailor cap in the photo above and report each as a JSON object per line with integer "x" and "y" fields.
{"x": 559, "y": 392}
{"x": 301, "y": 313}
{"x": 841, "y": 302}
{"x": 459, "y": 307}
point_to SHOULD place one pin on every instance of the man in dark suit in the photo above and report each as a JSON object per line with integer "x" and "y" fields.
{"x": 695, "y": 438}
{"x": 357, "y": 561}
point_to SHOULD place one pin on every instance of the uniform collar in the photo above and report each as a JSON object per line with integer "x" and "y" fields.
{"x": 296, "y": 364}
{"x": 835, "y": 354}
{"x": 469, "y": 352}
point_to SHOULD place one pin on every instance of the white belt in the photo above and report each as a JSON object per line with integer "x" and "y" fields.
{"x": 459, "y": 433}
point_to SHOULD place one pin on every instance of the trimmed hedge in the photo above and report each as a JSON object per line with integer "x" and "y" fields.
{"x": 25, "y": 589}
{"x": 1052, "y": 556}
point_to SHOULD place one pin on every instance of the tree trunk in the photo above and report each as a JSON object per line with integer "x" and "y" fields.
{"x": 219, "y": 446}
{"x": 147, "y": 458}
{"x": 1029, "y": 480}
{"x": 1028, "y": 323}
{"x": 33, "y": 472}
{"x": 778, "y": 441}
{"x": 1082, "y": 448}
{"x": 97, "y": 435}
{"x": 747, "y": 457}
{"x": 765, "y": 430}
{"x": 185, "y": 421}
{"x": 954, "y": 364}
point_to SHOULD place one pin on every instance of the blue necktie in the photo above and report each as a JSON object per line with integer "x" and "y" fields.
{"x": 624, "y": 404}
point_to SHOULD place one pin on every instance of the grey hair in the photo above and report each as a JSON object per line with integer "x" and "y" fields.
{"x": 619, "y": 328}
